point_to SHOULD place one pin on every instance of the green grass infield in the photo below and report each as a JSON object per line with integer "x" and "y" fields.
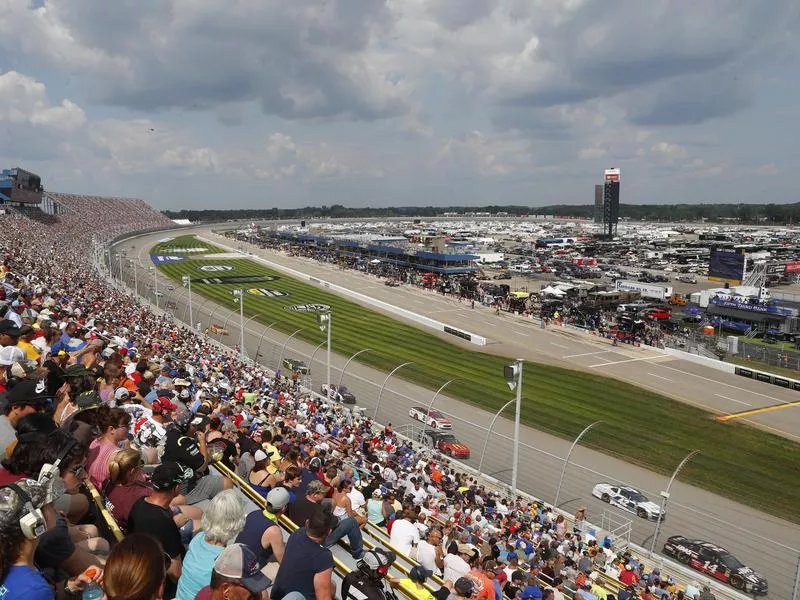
{"x": 737, "y": 461}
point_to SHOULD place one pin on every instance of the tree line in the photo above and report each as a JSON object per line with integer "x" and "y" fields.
{"x": 740, "y": 213}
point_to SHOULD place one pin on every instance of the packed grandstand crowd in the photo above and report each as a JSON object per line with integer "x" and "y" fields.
{"x": 99, "y": 392}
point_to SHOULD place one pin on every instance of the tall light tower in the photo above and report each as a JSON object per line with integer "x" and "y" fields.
{"x": 238, "y": 296}
{"x": 187, "y": 282}
{"x": 325, "y": 325}
{"x": 513, "y": 375}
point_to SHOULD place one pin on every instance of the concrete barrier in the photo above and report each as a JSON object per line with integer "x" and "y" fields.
{"x": 391, "y": 308}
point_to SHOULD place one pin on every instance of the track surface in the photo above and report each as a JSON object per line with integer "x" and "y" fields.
{"x": 766, "y": 543}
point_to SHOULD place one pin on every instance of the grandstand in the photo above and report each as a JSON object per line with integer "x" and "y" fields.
{"x": 47, "y": 270}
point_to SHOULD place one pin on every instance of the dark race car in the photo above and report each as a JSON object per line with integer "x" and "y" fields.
{"x": 715, "y": 562}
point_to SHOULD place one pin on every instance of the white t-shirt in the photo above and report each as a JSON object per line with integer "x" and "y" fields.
{"x": 404, "y": 535}
{"x": 427, "y": 556}
{"x": 356, "y": 498}
{"x": 454, "y": 567}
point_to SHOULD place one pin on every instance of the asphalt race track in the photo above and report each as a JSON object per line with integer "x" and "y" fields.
{"x": 766, "y": 543}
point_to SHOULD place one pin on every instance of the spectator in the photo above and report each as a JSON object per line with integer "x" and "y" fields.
{"x": 262, "y": 534}
{"x": 236, "y": 577}
{"x": 135, "y": 569}
{"x": 125, "y": 484}
{"x": 152, "y": 515}
{"x": 26, "y": 513}
{"x": 307, "y": 565}
{"x": 221, "y": 523}
{"x": 429, "y": 551}
{"x": 24, "y": 398}
{"x": 414, "y": 585}
{"x": 404, "y": 534}
{"x": 365, "y": 582}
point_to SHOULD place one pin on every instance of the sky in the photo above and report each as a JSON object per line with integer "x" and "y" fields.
{"x": 276, "y": 103}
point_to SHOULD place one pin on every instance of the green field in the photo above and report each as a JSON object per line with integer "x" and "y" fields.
{"x": 737, "y": 461}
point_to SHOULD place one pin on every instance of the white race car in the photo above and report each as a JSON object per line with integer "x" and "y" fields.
{"x": 628, "y": 498}
{"x": 432, "y": 418}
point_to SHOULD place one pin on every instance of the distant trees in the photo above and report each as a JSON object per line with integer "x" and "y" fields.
{"x": 741, "y": 213}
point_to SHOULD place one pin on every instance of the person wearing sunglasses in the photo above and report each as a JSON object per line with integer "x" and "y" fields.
{"x": 236, "y": 576}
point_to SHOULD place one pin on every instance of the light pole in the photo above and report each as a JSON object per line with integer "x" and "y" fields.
{"x": 436, "y": 395}
{"x": 244, "y": 327}
{"x": 261, "y": 339}
{"x": 187, "y": 282}
{"x": 513, "y": 375}
{"x": 325, "y": 324}
{"x": 313, "y": 354}
{"x": 155, "y": 284}
{"x": 238, "y": 296}
{"x": 566, "y": 460}
{"x": 348, "y": 363}
{"x": 489, "y": 432}
{"x": 665, "y": 498}
{"x": 380, "y": 393}
{"x": 135, "y": 275}
{"x": 280, "y": 359}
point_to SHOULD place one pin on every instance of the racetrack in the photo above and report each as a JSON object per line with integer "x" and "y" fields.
{"x": 691, "y": 511}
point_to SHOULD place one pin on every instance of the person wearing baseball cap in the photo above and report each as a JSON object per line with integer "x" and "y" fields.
{"x": 414, "y": 585}
{"x": 262, "y": 534}
{"x": 152, "y": 515}
{"x": 235, "y": 576}
{"x": 25, "y": 397}
{"x": 9, "y": 333}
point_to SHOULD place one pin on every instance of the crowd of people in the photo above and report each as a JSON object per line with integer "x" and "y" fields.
{"x": 99, "y": 391}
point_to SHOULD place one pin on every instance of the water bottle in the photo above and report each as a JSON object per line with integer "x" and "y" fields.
{"x": 93, "y": 592}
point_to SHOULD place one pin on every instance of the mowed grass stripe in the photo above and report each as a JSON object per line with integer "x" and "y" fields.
{"x": 745, "y": 464}
{"x": 184, "y": 241}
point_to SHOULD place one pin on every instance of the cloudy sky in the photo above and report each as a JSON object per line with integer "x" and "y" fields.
{"x": 262, "y": 103}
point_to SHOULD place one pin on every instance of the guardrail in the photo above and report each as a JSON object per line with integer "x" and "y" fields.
{"x": 110, "y": 523}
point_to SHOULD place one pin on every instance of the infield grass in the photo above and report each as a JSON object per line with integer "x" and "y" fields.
{"x": 737, "y": 461}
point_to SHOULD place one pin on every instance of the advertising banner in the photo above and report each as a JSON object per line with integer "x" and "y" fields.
{"x": 165, "y": 259}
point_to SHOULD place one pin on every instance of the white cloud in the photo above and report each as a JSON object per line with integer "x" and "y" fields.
{"x": 24, "y": 101}
{"x": 503, "y": 94}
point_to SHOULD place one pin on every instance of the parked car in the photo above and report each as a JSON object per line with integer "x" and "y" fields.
{"x": 295, "y": 365}
{"x": 446, "y": 443}
{"x": 628, "y": 498}
{"x": 338, "y": 393}
{"x": 431, "y": 418}
{"x": 716, "y": 562}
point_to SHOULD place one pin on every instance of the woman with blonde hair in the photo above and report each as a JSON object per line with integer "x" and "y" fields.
{"x": 125, "y": 484}
{"x": 135, "y": 570}
{"x": 222, "y": 522}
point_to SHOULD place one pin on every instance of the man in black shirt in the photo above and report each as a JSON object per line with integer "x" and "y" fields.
{"x": 152, "y": 515}
{"x": 302, "y": 509}
{"x": 307, "y": 566}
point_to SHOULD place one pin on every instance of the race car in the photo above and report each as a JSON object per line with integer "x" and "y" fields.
{"x": 716, "y": 562}
{"x": 295, "y": 365}
{"x": 338, "y": 393}
{"x": 391, "y": 283}
{"x": 628, "y": 498}
{"x": 446, "y": 443}
{"x": 433, "y": 419}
